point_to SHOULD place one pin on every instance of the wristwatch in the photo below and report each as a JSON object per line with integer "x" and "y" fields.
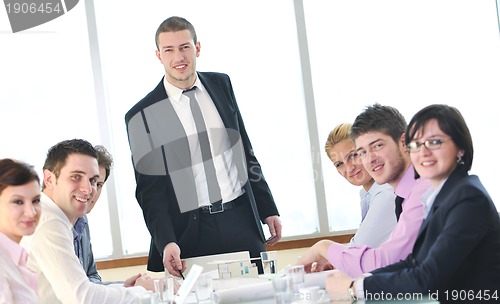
{"x": 352, "y": 291}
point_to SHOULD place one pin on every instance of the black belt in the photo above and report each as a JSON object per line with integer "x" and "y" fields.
{"x": 219, "y": 207}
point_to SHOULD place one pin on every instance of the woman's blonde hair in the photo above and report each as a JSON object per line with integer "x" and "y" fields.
{"x": 338, "y": 134}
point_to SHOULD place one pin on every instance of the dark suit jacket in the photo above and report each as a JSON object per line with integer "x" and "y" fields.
{"x": 458, "y": 246}
{"x": 155, "y": 193}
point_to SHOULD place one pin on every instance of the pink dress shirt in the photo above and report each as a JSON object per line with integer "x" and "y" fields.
{"x": 17, "y": 282}
{"x": 360, "y": 259}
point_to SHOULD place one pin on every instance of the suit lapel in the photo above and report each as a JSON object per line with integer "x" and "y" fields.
{"x": 438, "y": 201}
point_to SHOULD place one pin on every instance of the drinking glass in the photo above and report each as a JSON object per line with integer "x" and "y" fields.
{"x": 164, "y": 288}
{"x": 282, "y": 291}
{"x": 296, "y": 274}
{"x": 269, "y": 261}
{"x": 204, "y": 287}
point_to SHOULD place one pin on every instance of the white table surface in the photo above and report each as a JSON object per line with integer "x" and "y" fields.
{"x": 264, "y": 284}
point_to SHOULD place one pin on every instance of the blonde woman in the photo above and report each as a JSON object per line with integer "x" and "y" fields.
{"x": 19, "y": 214}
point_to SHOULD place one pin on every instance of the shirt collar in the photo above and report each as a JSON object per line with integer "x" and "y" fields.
{"x": 374, "y": 189}
{"x": 429, "y": 197}
{"x": 17, "y": 253}
{"x": 405, "y": 185}
{"x": 49, "y": 204}
{"x": 363, "y": 193}
{"x": 79, "y": 227}
{"x": 175, "y": 93}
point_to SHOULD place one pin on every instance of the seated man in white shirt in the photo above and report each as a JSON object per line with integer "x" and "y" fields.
{"x": 70, "y": 175}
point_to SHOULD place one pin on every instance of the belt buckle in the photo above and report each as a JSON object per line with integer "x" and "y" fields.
{"x": 216, "y": 208}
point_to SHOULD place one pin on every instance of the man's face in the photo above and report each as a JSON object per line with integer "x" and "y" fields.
{"x": 177, "y": 52}
{"x": 74, "y": 187}
{"x": 385, "y": 160}
{"x": 96, "y": 194}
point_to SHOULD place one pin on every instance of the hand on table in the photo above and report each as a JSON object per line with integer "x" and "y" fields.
{"x": 145, "y": 281}
{"x": 315, "y": 258}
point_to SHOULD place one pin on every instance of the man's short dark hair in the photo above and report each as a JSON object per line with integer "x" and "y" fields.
{"x": 58, "y": 154}
{"x": 175, "y": 24}
{"x": 379, "y": 118}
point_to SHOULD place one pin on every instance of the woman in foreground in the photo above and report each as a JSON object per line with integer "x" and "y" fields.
{"x": 19, "y": 214}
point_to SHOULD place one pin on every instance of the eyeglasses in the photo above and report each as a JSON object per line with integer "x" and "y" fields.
{"x": 431, "y": 144}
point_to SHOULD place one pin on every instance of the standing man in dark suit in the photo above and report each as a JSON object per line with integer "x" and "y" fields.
{"x": 199, "y": 183}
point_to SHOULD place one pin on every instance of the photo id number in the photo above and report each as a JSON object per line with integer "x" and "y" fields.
{"x": 33, "y": 8}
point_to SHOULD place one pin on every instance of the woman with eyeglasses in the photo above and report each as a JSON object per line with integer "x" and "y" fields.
{"x": 19, "y": 215}
{"x": 456, "y": 257}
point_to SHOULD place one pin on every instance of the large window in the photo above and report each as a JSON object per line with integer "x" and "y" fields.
{"x": 47, "y": 95}
{"x": 407, "y": 54}
{"x": 298, "y": 69}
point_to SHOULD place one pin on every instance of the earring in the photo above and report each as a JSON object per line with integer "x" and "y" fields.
{"x": 460, "y": 161}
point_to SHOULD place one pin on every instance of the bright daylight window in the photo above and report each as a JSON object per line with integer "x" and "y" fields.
{"x": 407, "y": 54}
{"x": 47, "y": 95}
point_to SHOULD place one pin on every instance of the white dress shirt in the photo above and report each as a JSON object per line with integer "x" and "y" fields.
{"x": 61, "y": 278}
{"x": 429, "y": 197}
{"x": 226, "y": 171}
{"x": 380, "y": 217}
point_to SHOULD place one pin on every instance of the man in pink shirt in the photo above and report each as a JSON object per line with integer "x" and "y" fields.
{"x": 378, "y": 133}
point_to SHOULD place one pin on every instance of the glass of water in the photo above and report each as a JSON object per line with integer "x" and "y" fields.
{"x": 164, "y": 288}
{"x": 296, "y": 274}
{"x": 204, "y": 287}
{"x": 282, "y": 290}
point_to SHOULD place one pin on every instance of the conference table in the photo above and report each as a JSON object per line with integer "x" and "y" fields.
{"x": 260, "y": 291}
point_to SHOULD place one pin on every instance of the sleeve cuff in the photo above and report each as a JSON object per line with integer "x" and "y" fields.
{"x": 359, "y": 285}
